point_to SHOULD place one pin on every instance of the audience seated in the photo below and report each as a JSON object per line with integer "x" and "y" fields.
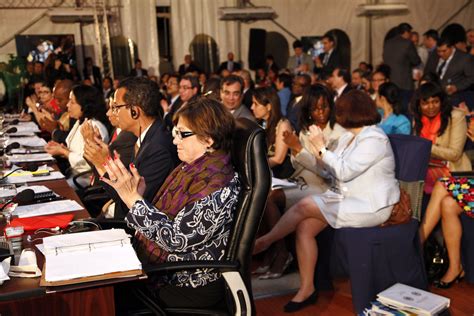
{"x": 300, "y": 83}
{"x": 136, "y": 105}
{"x": 388, "y": 101}
{"x": 317, "y": 107}
{"x": 435, "y": 119}
{"x": 201, "y": 192}
{"x": 362, "y": 156}
{"x": 85, "y": 105}
{"x": 232, "y": 88}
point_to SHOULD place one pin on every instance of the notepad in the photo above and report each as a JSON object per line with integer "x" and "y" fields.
{"x": 82, "y": 255}
{"x": 54, "y": 207}
{"x": 404, "y": 297}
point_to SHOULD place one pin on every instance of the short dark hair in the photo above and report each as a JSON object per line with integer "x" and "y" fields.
{"x": 144, "y": 93}
{"x": 194, "y": 80}
{"x": 91, "y": 101}
{"x": 444, "y": 40}
{"x": 207, "y": 117}
{"x": 424, "y": 92}
{"x": 306, "y": 78}
{"x": 231, "y": 79}
{"x": 311, "y": 96}
{"x": 344, "y": 73}
{"x": 297, "y": 44}
{"x": 356, "y": 109}
{"x": 138, "y": 60}
{"x": 404, "y": 27}
{"x": 329, "y": 37}
{"x": 432, "y": 33}
{"x": 391, "y": 93}
{"x": 384, "y": 69}
{"x": 286, "y": 79}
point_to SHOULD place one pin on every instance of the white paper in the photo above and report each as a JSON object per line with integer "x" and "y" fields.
{"x": 53, "y": 207}
{"x": 55, "y": 175}
{"x": 33, "y": 141}
{"x": 25, "y": 127}
{"x": 86, "y": 255}
{"x": 412, "y": 299}
{"x": 282, "y": 183}
{"x": 35, "y": 188}
{"x": 30, "y": 158}
{"x": 4, "y": 268}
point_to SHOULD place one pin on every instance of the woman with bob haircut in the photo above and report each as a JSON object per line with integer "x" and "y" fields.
{"x": 436, "y": 120}
{"x": 389, "y": 101}
{"x": 363, "y": 191}
{"x": 191, "y": 216}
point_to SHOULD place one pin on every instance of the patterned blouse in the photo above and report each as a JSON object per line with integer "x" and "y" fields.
{"x": 198, "y": 232}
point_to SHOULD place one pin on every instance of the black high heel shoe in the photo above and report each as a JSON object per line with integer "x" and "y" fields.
{"x": 291, "y": 306}
{"x": 446, "y": 285}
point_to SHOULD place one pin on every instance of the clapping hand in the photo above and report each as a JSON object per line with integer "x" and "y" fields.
{"x": 292, "y": 141}
{"x": 88, "y": 131}
{"x": 96, "y": 152}
{"x": 56, "y": 149}
{"x": 316, "y": 138}
{"x": 129, "y": 184}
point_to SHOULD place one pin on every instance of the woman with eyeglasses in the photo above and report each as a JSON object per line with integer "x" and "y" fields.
{"x": 317, "y": 108}
{"x": 266, "y": 109}
{"x": 190, "y": 217}
{"x": 86, "y": 105}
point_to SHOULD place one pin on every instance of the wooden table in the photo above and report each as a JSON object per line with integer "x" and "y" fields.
{"x": 22, "y": 296}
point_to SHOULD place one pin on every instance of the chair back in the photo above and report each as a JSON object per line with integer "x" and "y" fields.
{"x": 412, "y": 155}
{"x": 249, "y": 156}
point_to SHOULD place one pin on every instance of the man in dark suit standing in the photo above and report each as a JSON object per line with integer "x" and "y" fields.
{"x": 188, "y": 66}
{"x": 455, "y": 70}
{"x": 136, "y": 107}
{"x": 230, "y": 64}
{"x": 138, "y": 71}
{"x": 329, "y": 60}
{"x": 400, "y": 54}
{"x": 92, "y": 73}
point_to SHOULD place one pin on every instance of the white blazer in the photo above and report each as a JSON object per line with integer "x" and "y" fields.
{"x": 363, "y": 170}
{"x": 75, "y": 143}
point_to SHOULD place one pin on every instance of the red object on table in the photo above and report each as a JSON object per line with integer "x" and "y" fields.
{"x": 48, "y": 221}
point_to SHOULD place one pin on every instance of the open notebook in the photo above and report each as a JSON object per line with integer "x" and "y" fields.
{"x": 99, "y": 254}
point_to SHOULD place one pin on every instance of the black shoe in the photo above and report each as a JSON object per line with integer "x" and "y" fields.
{"x": 291, "y": 306}
{"x": 446, "y": 285}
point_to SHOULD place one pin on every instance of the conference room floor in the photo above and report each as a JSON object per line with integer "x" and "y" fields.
{"x": 338, "y": 302}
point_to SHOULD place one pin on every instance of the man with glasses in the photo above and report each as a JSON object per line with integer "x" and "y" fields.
{"x": 188, "y": 88}
{"x": 232, "y": 88}
{"x": 135, "y": 106}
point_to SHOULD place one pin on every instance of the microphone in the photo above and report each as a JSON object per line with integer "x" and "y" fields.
{"x": 14, "y": 145}
{"x": 30, "y": 168}
{"x": 14, "y": 122}
{"x": 24, "y": 197}
{"x": 10, "y": 130}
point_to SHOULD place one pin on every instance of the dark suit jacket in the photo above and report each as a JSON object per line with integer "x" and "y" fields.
{"x": 333, "y": 62}
{"x": 169, "y": 117}
{"x": 401, "y": 55}
{"x": 292, "y": 113}
{"x": 247, "y": 98}
{"x": 191, "y": 68}
{"x": 133, "y": 73}
{"x": 155, "y": 160}
{"x": 431, "y": 62}
{"x": 124, "y": 144}
{"x": 460, "y": 71}
{"x": 96, "y": 74}
{"x": 223, "y": 66}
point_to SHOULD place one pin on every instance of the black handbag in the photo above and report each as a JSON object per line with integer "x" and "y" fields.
{"x": 436, "y": 259}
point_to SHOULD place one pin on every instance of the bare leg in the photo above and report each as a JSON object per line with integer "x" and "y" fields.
{"x": 452, "y": 231}
{"x": 275, "y": 207}
{"x": 433, "y": 211}
{"x": 307, "y": 251}
{"x": 304, "y": 209}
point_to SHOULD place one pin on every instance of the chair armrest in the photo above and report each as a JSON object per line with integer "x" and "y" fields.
{"x": 195, "y": 264}
{"x": 74, "y": 179}
{"x": 95, "y": 189}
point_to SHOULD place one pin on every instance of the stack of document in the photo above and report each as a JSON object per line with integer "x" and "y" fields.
{"x": 32, "y": 141}
{"x": 54, "y": 207}
{"x": 21, "y": 158}
{"x": 82, "y": 255}
{"x": 401, "y": 299}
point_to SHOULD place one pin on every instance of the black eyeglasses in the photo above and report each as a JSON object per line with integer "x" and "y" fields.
{"x": 180, "y": 134}
{"x": 115, "y": 108}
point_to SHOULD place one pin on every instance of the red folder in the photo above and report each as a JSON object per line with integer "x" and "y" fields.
{"x": 47, "y": 221}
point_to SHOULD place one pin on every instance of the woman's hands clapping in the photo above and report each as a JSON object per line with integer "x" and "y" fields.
{"x": 316, "y": 138}
{"x": 129, "y": 185}
{"x": 292, "y": 141}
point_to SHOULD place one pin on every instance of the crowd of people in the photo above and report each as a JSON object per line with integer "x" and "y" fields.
{"x": 156, "y": 150}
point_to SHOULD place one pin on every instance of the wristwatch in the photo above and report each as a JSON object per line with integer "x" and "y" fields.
{"x": 322, "y": 151}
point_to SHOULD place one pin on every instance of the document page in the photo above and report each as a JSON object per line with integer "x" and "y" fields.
{"x": 53, "y": 207}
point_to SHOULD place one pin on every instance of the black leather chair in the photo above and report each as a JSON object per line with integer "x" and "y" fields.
{"x": 250, "y": 161}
